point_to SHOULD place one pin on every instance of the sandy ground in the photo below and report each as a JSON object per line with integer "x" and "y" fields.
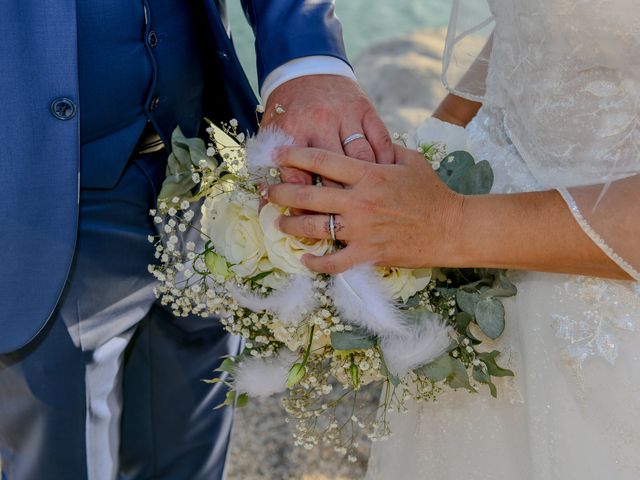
{"x": 402, "y": 77}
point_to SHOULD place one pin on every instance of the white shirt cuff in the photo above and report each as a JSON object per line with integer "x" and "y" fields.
{"x": 299, "y": 67}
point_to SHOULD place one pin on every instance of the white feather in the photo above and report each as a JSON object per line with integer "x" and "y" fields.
{"x": 421, "y": 345}
{"x": 260, "y": 150}
{"x": 290, "y": 302}
{"x": 263, "y": 377}
{"x": 360, "y": 299}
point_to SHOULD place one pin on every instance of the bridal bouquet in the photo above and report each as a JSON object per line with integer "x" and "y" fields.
{"x": 319, "y": 338}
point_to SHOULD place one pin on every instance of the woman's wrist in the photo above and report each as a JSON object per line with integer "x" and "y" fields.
{"x": 527, "y": 231}
{"x": 457, "y": 110}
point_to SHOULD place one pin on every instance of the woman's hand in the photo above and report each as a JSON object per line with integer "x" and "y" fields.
{"x": 397, "y": 215}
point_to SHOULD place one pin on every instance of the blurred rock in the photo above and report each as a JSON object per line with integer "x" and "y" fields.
{"x": 402, "y": 78}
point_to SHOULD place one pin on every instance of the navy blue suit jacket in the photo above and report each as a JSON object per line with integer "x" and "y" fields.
{"x": 39, "y": 151}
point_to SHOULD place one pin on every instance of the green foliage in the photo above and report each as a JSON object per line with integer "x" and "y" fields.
{"x": 489, "y": 359}
{"x": 242, "y": 400}
{"x": 260, "y": 276}
{"x": 459, "y": 378}
{"x": 439, "y": 369}
{"x": 216, "y": 264}
{"x": 355, "y": 339}
{"x": 296, "y": 373}
{"x": 185, "y": 154}
{"x": 483, "y": 377}
{"x": 467, "y": 301}
{"x": 490, "y": 317}
{"x": 477, "y": 295}
{"x": 228, "y": 365}
{"x": 460, "y": 172}
{"x": 229, "y": 400}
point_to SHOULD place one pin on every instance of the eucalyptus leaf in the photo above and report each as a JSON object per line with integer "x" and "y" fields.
{"x": 185, "y": 153}
{"x": 412, "y": 302}
{"x": 459, "y": 378}
{"x": 384, "y": 370}
{"x": 420, "y": 316}
{"x": 454, "y": 167}
{"x": 356, "y": 339}
{"x": 469, "y": 334}
{"x": 437, "y": 370}
{"x": 501, "y": 287}
{"x": 489, "y": 359}
{"x": 490, "y": 317}
{"x": 467, "y": 301}
{"x": 463, "y": 319}
{"x": 478, "y": 180}
{"x": 485, "y": 378}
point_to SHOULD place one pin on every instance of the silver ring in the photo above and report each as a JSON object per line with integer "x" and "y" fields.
{"x": 351, "y": 138}
{"x": 332, "y": 226}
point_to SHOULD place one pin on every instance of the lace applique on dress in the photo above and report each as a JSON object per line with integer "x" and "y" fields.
{"x": 595, "y": 331}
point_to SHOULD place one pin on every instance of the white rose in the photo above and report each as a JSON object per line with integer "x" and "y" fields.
{"x": 403, "y": 283}
{"x": 285, "y": 251}
{"x": 231, "y": 221}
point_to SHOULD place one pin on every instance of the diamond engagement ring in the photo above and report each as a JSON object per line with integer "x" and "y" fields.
{"x": 351, "y": 138}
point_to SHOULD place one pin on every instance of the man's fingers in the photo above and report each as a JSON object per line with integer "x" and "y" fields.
{"x": 332, "y": 144}
{"x": 357, "y": 148}
{"x": 303, "y": 197}
{"x": 326, "y": 164}
{"x": 293, "y": 175}
{"x": 378, "y": 137}
{"x": 333, "y": 263}
{"x": 313, "y": 226}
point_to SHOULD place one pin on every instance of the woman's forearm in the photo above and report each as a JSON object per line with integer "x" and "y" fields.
{"x": 457, "y": 110}
{"x": 528, "y": 231}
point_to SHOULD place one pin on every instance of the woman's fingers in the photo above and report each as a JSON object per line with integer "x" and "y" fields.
{"x": 305, "y": 197}
{"x": 313, "y": 226}
{"x": 294, "y": 175}
{"x": 338, "y": 262}
{"x": 326, "y": 164}
{"x": 332, "y": 144}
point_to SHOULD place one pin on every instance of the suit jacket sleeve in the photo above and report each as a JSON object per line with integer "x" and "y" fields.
{"x": 290, "y": 29}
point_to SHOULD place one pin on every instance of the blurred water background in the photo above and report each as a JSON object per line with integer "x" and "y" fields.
{"x": 365, "y": 23}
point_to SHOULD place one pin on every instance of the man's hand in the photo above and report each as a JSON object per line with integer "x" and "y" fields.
{"x": 321, "y": 111}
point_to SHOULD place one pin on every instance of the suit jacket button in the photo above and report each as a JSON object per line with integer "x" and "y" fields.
{"x": 155, "y": 102}
{"x": 152, "y": 39}
{"x": 63, "y": 108}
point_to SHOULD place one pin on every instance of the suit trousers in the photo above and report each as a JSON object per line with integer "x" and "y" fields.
{"x": 111, "y": 387}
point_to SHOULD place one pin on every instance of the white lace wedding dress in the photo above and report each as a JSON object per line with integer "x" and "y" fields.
{"x": 561, "y": 108}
